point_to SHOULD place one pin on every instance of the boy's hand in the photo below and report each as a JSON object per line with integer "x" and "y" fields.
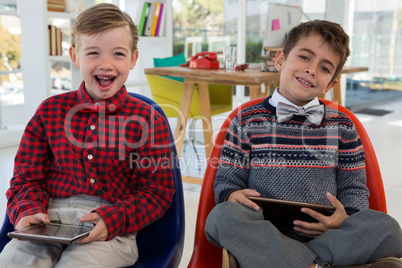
{"x": 324, "y": 223}
{"x": 32, "y": 220}
{"x": 241, "y": 197}
{"x": 98, "y": 233}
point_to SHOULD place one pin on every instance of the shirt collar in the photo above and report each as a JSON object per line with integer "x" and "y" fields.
{"x": 277, "y": 97}
{"x": 117, "y": 99}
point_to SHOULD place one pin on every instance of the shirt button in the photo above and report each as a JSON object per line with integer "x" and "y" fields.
{"x": 97, "y": 103}
{"x": 92, "y": 127}
{"x": 90, "y": 157}
{"x": 92, "y": 181}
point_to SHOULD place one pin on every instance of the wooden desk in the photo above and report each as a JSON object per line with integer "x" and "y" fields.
{"x": 253, "y": 78}
{"x": 249, "y": 77}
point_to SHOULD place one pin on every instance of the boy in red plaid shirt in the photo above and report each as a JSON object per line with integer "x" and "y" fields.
{"x": 93, "y": 156}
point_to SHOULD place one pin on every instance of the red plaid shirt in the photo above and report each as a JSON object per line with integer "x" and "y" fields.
{"x": 120, "y": 153}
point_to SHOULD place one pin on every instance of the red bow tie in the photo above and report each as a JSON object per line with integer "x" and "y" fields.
{"x": 90, "y": 108}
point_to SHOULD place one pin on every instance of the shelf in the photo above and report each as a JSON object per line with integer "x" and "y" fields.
{"x": 153, "y": 38}
{"x": 61, "y": 15}
{"x": 60, "y": 58}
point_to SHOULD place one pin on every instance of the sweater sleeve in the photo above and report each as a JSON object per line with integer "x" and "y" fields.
{"x": 233, "y": 167}
{"x": 351, "y": 171}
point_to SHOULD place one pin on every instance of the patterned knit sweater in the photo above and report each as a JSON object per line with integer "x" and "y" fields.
{"x": 295, "y": 160}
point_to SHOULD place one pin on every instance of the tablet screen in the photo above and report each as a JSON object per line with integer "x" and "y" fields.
{"x": 52, "y": 232}
{"x": 282, "y": 213}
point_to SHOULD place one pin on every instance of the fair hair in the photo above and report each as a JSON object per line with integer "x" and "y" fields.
{"x": 100, "y": 18}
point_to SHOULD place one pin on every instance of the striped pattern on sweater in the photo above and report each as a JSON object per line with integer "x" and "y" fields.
{"x": 294, "y": 160}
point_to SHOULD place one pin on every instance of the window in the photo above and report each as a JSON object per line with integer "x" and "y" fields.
{"x": 376, "y": 42}
{"x": 198, "y": 25}
{"x": 11, "y": 86}
{"x": 257, "y": 11}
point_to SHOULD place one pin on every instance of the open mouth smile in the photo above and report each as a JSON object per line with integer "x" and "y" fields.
{"x": 304, "y": 82}
{"x": 104, "y": 81}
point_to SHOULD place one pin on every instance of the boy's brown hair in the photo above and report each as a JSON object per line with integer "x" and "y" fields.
{"x": 331, "y": 32}
{"x": 100, "y": 18}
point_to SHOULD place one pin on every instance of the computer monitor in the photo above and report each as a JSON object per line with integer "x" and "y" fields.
{"x": 281, "y": 18}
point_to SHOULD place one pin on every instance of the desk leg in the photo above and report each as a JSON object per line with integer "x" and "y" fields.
{"x": 275, "y": 85}
{"x": 205, "y": 105}
{"x": 183, "y": 116}
{"x": 255, "y": 92}
{"x": 336, "y": 92}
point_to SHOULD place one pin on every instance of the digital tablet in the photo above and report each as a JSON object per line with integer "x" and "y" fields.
{"x": 282, "y": 213}
{"x": 52, "y": 232}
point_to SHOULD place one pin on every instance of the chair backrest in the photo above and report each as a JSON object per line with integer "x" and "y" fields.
{"x": 161, "y": 243}
{"x": 217, "y": 44}
{"x": 5, "y": 228}
{"x": 207, "y": 255}
{"x": 168, "y": 94}
{"x": 171, "y": 61}
{"x": 192, "y": 46}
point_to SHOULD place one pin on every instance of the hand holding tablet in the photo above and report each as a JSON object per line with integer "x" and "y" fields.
{"x": 282, "y": 213}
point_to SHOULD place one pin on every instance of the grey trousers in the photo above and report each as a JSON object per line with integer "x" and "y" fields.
{"x": 120, "y": 251}
{"x": 363, "y": 237}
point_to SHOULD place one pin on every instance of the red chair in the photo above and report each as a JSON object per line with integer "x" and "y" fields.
{"x": 209, "y": 256}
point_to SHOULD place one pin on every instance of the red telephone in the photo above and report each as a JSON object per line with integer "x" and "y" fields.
{"x": 203, "y": 60}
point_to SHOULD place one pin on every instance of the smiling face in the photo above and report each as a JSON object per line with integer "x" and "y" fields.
{"x": 104, "y": 60}
{"x": 307, "y": 70}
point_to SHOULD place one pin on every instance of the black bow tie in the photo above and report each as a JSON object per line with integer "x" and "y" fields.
{"x": 314, "y": 113}
{"x": 92, "y": 108}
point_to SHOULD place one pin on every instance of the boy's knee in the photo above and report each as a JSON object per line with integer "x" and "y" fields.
{"x": 218, "y": 215}
{"x": 393, "y": 229}
{"x": 382, "y": 220}
{"x": 226, "y": 217}
{"x": 229, "y": 213}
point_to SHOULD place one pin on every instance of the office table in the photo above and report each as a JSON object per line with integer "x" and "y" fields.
{"x": 252, "y": 77}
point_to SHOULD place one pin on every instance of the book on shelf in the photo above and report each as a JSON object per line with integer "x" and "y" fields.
{"x": 59, "y": 37}
{"x": 55, "y": 40}
{"x": 271, "y": 50}
{"x": 269, "y": 66}
{"x": 144, "y": 15}
{"x": 161, "y": 21}
{"x": 155, "y": 19}
{"x": 152, "y": 19}
{"x": 56, "y": 5}
{"x": 270, "y": 57}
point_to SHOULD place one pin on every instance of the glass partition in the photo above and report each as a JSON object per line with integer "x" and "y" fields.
{"x": 11, "y": 86}
{"x": 376, "y": 42}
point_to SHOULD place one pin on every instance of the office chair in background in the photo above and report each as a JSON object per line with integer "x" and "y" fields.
{"x": 168, "y": 91}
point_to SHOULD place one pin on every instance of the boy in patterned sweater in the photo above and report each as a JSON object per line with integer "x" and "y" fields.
{"x": 292, "y": 147}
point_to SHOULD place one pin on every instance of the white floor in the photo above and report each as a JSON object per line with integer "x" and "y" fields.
{"x": 386, "y": 136}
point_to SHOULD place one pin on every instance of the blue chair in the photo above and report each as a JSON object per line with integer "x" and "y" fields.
{"x": 161, "y": 243}
{"x": 5, "y": 228}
